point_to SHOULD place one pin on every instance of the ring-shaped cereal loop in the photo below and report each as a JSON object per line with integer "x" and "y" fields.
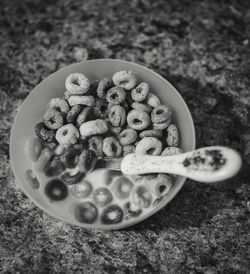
{"x": 77, "y": 83}
{"x": 59, "y": 104}
{"x": 53, "y": 119}
{"x": 138, "y": 120}
{"x": 127, "y": 136}
{"x": 140, "y": 92}
{"x": 161, "y": 114}
{"x": 82, "y": 190}
{"x": 86, "y": 212}
{"x": 125, "y": 79}
{"x": 102, "y": 197}
{"x": 141, "y": 196}
{"x": 116, "y": 95}
{"x": 142, "y": 107}
{"x": 122, "y": 187}
{"x": 149, "y": 145}
{"x": 67, "y": 135}
{"x": 111, "y": 147}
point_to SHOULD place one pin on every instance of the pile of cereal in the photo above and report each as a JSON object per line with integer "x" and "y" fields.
{"x": 106, "y": 118}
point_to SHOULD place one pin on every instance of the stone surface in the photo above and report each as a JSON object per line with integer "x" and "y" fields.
{"x": 202, "y": 48}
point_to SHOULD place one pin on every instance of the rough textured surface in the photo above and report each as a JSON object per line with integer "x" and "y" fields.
{"x": 203, "y": 50}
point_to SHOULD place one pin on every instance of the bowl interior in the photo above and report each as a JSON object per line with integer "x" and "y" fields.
{"x": 34, "y": 106}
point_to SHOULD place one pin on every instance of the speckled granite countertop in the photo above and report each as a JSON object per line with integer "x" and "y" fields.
{"x": 203, "y": 50}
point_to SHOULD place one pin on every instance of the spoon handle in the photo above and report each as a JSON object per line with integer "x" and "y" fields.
{"x": 208, "y": 164}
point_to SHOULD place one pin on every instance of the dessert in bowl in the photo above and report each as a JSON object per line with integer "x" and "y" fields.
{"x": 89, "y": 111}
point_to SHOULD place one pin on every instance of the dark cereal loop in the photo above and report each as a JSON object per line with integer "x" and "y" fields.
{"x": 54, "y": 168}
{"x": 161, "y": 114}
{"x": 77, "y": 83}
{"x": 84, "y": 115}
{"x": 102, "y": 197}
{"x": 151, "y": 133}
{"x": 70, "y": 157}
{"x": 129, "y": 213}
{"x": 95, "y": 144}
{"x": 56, "y": 190}
{"x": 149, "y": 145}
{"x": 59, "y": 104}
{"x": 116, "y": 95}
{"x": 127, "y": 136}
{"x": 73, "y": 113}
{"x": 45, "y": 134}
{"x": 140, "y": 92}
{"x": 100, "y": 108}
{"x": 86, "y": 212}
{"x": 117, "y": 116}
{"x": 111, "y": 147}
{"x": 71, "y": 179}
{"x": 112, "y": 214}
{"x": 125, "y": 79}
{"x": 138, "y": 120}
{"x": 142, "y": 107}
{"x": 53, "y": 119}
{"x": 103, "y": 86}
{"x": 87, "y": 161}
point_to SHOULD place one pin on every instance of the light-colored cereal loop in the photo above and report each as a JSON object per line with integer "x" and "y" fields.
{"x": 140, "y": 92}
{"x": 151, "y": 133}
{"x": 117, "y": 115}
{"x": 138, "y": 120}
{"x": 116, "y": 95}
{"x": 128, "y": 149}
{"x": 142, "y": 107}
{"x": 43, "y": 160}
{"x": 141, "y": 196}
{"x": 153, "y": 100}
{"x": 149, "y": 145}
{"x": 125, "y": 79}
{"x": 86, "y": 100}
{"x": 127, "y": 136}
{"x": 59, "y": 104}
{"x": 33, "y": 148}
{"x": 67, "y": 135}
{"x": 160, "y": 185}
{"x": 168, "y": 151}
{"x": 77, "y": 83}
{"x": 93, "y": 127}
{"x": 172, "y": 136}
{"x": 161, "y": 114}
{"x": 53, "y": 119}
{"x": 103, "y": 86}
{"x": 111, "y": 147}
{"x": 95, "y": 144}
{"x": 161, "y": 126}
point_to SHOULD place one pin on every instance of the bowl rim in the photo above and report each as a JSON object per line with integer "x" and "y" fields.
{"x": 113, "y": 226}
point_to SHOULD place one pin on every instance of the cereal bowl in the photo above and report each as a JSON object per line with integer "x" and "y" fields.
{"x": 32, "y": 110}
